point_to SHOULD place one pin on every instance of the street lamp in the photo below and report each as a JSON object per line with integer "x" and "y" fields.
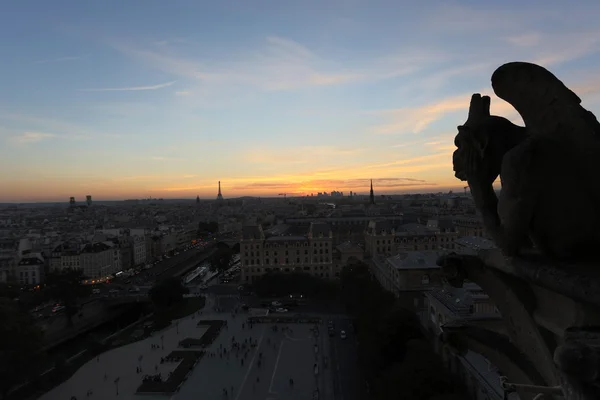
{"x": 117, "y": 384}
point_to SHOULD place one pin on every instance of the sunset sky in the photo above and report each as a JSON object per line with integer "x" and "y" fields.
{"x": 130, "y": 99}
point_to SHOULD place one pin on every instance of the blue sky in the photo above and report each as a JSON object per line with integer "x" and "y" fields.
{"x": 123, "y": 99}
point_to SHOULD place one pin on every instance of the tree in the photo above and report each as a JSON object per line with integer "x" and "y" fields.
{"x": 394, "y": 357}
{"x": 65, "y": 286}
{"x": 9, "y": 291}
{"x": 20, "y": 347}
{"x": 221, "y": 259}
{"x": 167, "y": 292}
{"x": 419, "y": 376}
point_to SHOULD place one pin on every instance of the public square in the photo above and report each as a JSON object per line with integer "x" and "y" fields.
{"x": 261, "y": 372}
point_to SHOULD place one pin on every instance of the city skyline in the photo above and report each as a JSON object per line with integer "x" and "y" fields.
{"x": 163, "y": 100}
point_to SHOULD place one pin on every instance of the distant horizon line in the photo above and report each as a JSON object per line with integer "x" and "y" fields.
{"x": 214, "y": 198}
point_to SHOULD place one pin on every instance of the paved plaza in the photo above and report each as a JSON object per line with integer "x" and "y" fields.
{"x": 261, "y": 372}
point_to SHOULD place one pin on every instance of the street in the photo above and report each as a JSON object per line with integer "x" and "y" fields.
{"x": 344, "y": 362}
{"x": 339, "y": 377}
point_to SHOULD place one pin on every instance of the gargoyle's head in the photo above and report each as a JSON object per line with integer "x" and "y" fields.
{"x": 471, "y": 145}
{"x": 482, "y": 142}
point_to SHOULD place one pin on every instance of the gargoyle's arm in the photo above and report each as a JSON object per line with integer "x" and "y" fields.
{"x": 507, "y": 220}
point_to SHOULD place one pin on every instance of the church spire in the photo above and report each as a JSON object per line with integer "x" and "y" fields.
{"x": 372, "y": 195}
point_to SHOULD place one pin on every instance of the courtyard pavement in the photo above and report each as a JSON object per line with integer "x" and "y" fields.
{"x": 264, "y": 375}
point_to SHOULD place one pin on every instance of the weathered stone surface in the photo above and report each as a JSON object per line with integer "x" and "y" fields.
{"x": 578, "y": 359}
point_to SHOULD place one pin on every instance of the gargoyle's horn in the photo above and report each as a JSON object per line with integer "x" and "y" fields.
{"x": 485, "y": 106}
{"x": 479, "y": 108}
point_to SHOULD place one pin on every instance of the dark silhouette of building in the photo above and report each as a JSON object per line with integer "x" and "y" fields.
{"x": 372, "y": 195}
{"x": 72, "y": 201}
{"x": 88, "y": 200}
{"x": 197, "y": 199}
{"x": 219, "y": 196}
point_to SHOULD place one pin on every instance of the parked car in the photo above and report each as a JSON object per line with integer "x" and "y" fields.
{"x": 58, "y": 309}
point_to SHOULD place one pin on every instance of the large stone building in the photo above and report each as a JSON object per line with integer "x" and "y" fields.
{"x": 97, "y": 260}
{"x": 469, "y": 225}
{"x": 311, "y": 252}
{"x": 383, "y": 237}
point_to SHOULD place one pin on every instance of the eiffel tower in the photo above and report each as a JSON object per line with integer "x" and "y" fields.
{"x": 219, "y": 196}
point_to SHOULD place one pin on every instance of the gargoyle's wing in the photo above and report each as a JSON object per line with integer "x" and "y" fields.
{"x": 543, "y": 101}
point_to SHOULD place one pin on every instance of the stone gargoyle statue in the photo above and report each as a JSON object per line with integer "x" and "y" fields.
{"x": 549, "y": 169}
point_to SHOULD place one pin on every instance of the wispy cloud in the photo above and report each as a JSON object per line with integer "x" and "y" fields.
{"x": 414, "y": 120}
{"x": 280, "y": 64}
{"x": 59, "y": 59}
{"x": 525, "y": 39}
{"x": 63, "y": 129}
{"x": 184, "y": 93}
{"x": 131, "y": 88}
{"x": 32, "y": 137}
{"x": 314, "y": 185}
{"x": 298, "y": 154}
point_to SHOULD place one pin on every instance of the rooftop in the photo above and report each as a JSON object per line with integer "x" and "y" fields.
{"x": 415, "y": 260}
{"x": 349, "y": 247}
{"x": 285, "y": 238}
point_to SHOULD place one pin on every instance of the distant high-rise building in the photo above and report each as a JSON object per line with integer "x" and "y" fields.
{"x": 72, "y": 201}
{"x": 197, "y": 199}
{"x": 88, "y": 200}
{"x": 219, "y": 196}
{"x": 372, "y": 195}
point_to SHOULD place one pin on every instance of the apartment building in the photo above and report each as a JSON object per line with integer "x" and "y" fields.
{"x": 310, "y": 253}
{"x": 469, "y": 225}
{"x": 99, "y": 260}
{"x": 408, "y": 274}
{"x": 349, "y": 227}
{"x": 384, "y": 238}
{"x": 30, "y": 269}
{"x": 8, "y": 261}
{"x": 447, "y": 304}
{"x": 133, "y": 245}
{"x": 138, "y": 243}
{"x": 65, "y": 255}
{"x": 9, "y": 257}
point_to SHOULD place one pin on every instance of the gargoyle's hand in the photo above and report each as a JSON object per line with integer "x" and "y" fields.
{"x": 479, "y": 179}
